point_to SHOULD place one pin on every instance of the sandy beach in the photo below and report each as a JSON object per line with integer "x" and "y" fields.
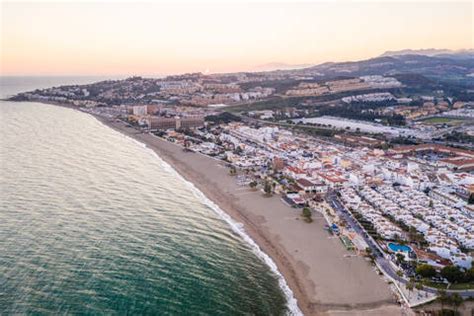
{"x": 313, "y": 263}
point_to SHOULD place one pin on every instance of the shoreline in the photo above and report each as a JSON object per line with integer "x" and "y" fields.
{"x": 234, "y": 226}
{"x": 358, "y": 289}
{"x": 233, "y": 215}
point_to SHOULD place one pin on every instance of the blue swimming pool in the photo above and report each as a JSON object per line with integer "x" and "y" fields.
{"x": 397, "y": 247}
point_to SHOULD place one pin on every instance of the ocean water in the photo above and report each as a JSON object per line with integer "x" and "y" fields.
{"x": 93, "y": 222}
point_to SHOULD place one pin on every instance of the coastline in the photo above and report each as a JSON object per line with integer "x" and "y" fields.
{"x": 314, "y": 265}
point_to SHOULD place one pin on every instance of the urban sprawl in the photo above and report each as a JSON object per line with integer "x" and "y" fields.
{"x": 393, "y": 175}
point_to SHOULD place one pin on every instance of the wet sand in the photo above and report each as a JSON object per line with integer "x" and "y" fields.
{"x": 322, "y": 279}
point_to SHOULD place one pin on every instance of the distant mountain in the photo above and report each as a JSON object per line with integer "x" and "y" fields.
{"x": 279, "y": 66}
{"x": 441, "y": 66}
{"x": 432, "y": 52}
{"x": 462, "y": 54}
{"x": 425, "y": 52}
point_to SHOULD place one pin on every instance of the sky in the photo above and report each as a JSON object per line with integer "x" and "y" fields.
{"x": 157, "y": 38}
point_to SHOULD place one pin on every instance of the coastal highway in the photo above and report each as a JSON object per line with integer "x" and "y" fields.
{"x": 383, "y": 262}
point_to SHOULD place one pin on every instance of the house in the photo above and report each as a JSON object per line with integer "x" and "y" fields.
{"x": 310, "y": 187}
{"x": 294, "y": 172}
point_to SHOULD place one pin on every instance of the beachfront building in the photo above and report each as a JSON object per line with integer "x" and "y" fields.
{"x": 188, "y": 122}
{"x": 160, "y": 123}
{"x": 164, "y": 123}
{"x": 308, "y": 186}
{"x": 140, "y": 110}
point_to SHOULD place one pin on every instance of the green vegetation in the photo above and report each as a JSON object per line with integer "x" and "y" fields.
{"x": 453, "y": 274}
{"x": 267, "y": 188}
{"x": 419, "y": 286}
{"x": 400, "y": 258}
{"x": 459, "y": 279}
{"x": 412, "y": 79}
{"x": 440, "y": 120}
{"x": 306, "y": 213}
{"x": 232, "y": 171}
{"x": 471, "y": 198}
{"x": 454, "y": 300}
{"x": 347, "y": 242}
{"x": 426, "y": 271}
{"x": 253, "y": 185}
{"x": 416, "y": 237}
{"x": 366, "y": 111}
{"x": 459, "y": 137}
{"x": 444, "y": 286}
{"x": 224, "y": 117}
{"x": 315, "y": 131}
{"x": 410, "y": 286}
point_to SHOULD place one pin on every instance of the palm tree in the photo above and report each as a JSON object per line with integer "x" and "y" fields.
{"x": 400, "y": 275}
{"x": 410, "y": 286}
{"x": 442, "y": 297}
{"x": 419, "y": 286}
{"x": 253, "y": 185}
{"x": 267, "y": 188}
{"x": 456, "y": 300}
{"x": 306, "y": 213}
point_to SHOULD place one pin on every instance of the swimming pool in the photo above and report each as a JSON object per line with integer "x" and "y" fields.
{"x": 397, "y": 247}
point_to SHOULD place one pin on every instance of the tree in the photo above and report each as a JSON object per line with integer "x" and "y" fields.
{"x": 267, "y": 188}
{"x": 455, "y": 301}
{"x": 426, "y": 270}
{"x": 469, "y": 275}
{"x": 238, "y": 150}
{"x": 419, "y": 286}
{"x": 410, "y": 286}
{"x": 471, "y": 199}
{"x": 442, "y": 298}
{"x": 253, "y": 185}
{"x": 452, "y": 273}
{"x": 187, "y": 145}
{"x": 412, "y": 233}
{"x": 306, "y": 213}
{"x": 400, "y": 258}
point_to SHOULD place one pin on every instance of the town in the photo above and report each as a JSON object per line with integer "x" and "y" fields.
{"x": 392, "y": 173}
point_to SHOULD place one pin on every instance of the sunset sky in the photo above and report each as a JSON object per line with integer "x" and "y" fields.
{"x": 148, "y": 38}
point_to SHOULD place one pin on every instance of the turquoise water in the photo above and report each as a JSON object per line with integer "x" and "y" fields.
{"x": 92, "y": 222}
{"x": 397, "y": 247}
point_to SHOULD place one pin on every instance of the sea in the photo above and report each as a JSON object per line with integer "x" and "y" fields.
{"x": 93, "y": 222}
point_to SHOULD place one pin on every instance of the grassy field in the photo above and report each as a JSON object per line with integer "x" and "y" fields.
{"x": 454, "y": 286}
{"x": 441, "y": 120}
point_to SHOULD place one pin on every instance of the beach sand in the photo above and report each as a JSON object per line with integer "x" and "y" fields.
{"x": 323, "y": 280}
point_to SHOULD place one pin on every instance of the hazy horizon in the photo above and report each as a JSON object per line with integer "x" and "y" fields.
{"x": 156, "y": 39}
{"x": 256, "y": 68}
